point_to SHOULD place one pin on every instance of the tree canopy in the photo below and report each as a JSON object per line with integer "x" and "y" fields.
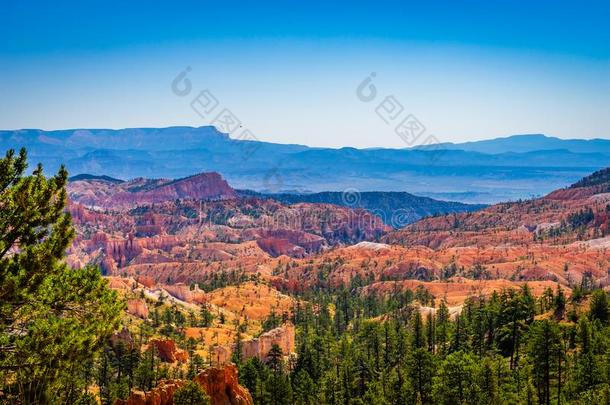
{"x": 53, "y": 318}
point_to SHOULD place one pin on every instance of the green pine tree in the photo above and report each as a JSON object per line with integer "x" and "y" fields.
{"x": 191, "y": 394}
{"x": 52, "y": 318}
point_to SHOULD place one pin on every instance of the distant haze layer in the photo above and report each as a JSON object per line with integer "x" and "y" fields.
{"x": 484, "y": 172}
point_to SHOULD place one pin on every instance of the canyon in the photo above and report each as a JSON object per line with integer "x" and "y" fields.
{"x": 195, "y": 244}
{"x": 559, "y": 238}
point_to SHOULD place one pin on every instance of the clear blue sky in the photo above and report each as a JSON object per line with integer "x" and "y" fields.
{"x": 289, "y": 70}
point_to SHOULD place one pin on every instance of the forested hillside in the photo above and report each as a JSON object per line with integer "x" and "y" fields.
{"x": 510, "y": 347}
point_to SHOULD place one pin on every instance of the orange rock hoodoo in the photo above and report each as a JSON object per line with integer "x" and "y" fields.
{"x": 168, "y": 352}
{"x": 162, "y": 394}
{"x": 220, "y": 384}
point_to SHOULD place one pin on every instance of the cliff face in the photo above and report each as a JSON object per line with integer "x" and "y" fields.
{"x": 259, "y": 347}
{"x": 184, "y": 293}
{"x": 201, "y": 186}
{"x": 282, "y": 336}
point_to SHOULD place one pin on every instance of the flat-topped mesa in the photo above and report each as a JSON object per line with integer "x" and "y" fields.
{"x": 199, "y": 186}
{"x": 106, "y": 194}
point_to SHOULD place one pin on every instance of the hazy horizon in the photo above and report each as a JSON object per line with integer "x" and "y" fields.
{"x": 262, "y": 138}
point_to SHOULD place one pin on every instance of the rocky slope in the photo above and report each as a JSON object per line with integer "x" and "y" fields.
{"x": 560, "y": 238}
{"x": 578, "y": 213}
{"x": 453, "y": 272}
{"x": 221, "y": 384}
{"x": 248, "y": 304}
{"x": 162, "y": 394}
{"x": 105, "y": 192}
{"x": 167, "y": 229}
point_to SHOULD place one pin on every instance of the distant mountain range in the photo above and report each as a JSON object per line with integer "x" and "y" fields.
{"x": 488, "y": 171}
{"x": 530, "y": 143}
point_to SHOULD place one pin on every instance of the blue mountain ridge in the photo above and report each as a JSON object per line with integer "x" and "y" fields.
{"x": 487, "y": 171}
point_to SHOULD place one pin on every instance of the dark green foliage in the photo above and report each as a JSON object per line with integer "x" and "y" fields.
{"x": 545, "y": 350}
{"x": 236, "y": 357}
{"x": 205, "y": 315}
{"x": 581, "y": 218}
{"x": 221, "y": 279}
{"x": 457, "y": 380}
{"x": 599, "y": 308}
{"x": 272, "y": 321}
{"x": 494, "y": 352}
{"x": 600, "y": 177}
{"x": 191, "y": 394}
{"x": 53, "y": 319}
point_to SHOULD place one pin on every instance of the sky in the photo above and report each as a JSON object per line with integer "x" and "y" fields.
{"x": 301, "y": 72}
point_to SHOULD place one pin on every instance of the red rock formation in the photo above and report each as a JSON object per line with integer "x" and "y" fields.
{"x": 168, "y": 352}
{"x": 108, "y": 265}
{"x": 123, "y": 250}
{"x": 143, "y": 191}
{"x": 277, "y": 247}
{"x": 162, "y": 394}
{"x": 163, "y": 242}
{"x": 122, "y": 284}
{"x": 197, "y": 187}
{"x": 221, "y": 384}
{"x": 184, "y": 293}
{"x": 180, "y": 240}
{"x": 309, "y": 242}
{"x": 148, "y": 230}
{"x": 137, "y": 307}
{"x": 282, "y": 336}
{"x": 146, "y": 281}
